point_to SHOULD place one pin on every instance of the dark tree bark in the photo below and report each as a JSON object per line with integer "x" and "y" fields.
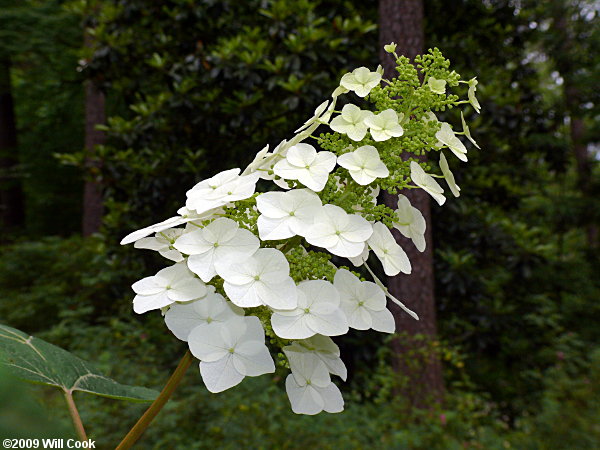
{"x": 12, "y": 213}
{"x": 401, "y": 21}
{"x": 92, "y": 193}
{"x": 567, "y": 65}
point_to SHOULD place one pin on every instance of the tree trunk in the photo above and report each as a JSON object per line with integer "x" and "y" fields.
{"x": 415, "y": 358}
{"x": 12, "y": 213}
{"x": 566, "y": 64}
{"x": 92, "y": 192}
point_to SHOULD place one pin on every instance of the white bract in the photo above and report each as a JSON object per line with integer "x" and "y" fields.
{"x": 410, "y": 222}
{"x": 325, "y": 349}
{"x": 262, "y": 279}
{"x": 219, "y": 243}
{"x": 259, "y": 252}
{"x": 223, "y": 188}
{"x": 448, "y": 175}
{"x": 230, "y": 351}
{"x": 467, "y": 131}
{"x": 171, "y": 284}
{"x": 286, "y": 214}
{"x": 309, "y": 386}
{"x": 163, "y": 243}
{"x": 351, "y": 122}
{"x": 361, "y": 81}
{"x": 391, "y": 255}
{"x": 182, "y": 318}
{"x": 384, "y": 125}
{"x": 318, "y": 312}
{"x": 471, "y": 94}
{"x": 341, "y": 233}
{"x": 363, "y": 302}
{"x": 426, "y": 182}
{"x": 364, "y": 165}
{"x": 447, "y": 137}
{"x": 437, "y": 86}
{"x": 304, "y": 164}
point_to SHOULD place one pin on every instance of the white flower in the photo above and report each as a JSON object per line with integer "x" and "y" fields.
{"x": 390, "y": 48}
{"x": 360, "y": 259}
{"x": 363, "y": 302}
{"x": 384, "y": 125}
{"x": 156, "y": 228}
{"x": 467, "y": 131}
{"x": 318, "y": 312}
{"x": 437, "y": 86}
{"x": 182, "y": 318}
{"x": 341, "y": 233}
{"x": 361, "y": 81}
{"x": 391, "y": 255}
{"x": 309, "y": 386}
{"x": 351, "y": 122}
{"x": 163, "y": 243}
{"x": 471, "y": 94}
{"x": 325, "y": 349}
{"x": 263, "y": 279}
{"x": 449, "y": 176}
{"x": 221, "y": 242}
{"x": 410, "y": 222}
{"x": 447, "y": 137}
{"x": 172, "y": 284}
{"x": 321, "y": 115}
{"x": 286, "y": 214}
{"x": 364, "y": 164}
{"x": 230, "y": 351}
{"x": 223, "y": 188}
{"x": 304, "y": 164}
{"x": 426, "y": 182}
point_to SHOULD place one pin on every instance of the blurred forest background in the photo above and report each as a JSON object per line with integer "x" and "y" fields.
{"x": 111, "y": 109}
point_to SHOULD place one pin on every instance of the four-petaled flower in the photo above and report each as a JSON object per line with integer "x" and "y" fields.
{"x": 391, "y": 255}
{"x": 384, "y": 125}
{"x": 361, "y": 81}
{"x": 471, "y": 95}
{"x": 410, "y": 222}
{"x": 305, "y": 164}
{"x": 363, "y": 302}
{"x": 162, "y": 242}
{"x": 262, "y": 279}
{"x": 364, "y": 164}
{"x": 171, "y": 284}
{"x": 318, "y": 312}
{"x": 220, "y": 242}
{"x": 286, "y": 214}
{"x": 426, "y": 182}
{"x": 446, "y": 136}
{"x": 230, "y": 351}
{"x": 223, "y": 188}
{"x": 309, "y": 386}
{"x": 448, "y": 175}
{"x": 437, "y": 86}
{"x": 351, "y": 122}
{"x": 182, "y": 318}
{"x": 341, "y": 233}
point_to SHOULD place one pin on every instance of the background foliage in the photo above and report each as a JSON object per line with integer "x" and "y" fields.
{"x": 198, "y": 86}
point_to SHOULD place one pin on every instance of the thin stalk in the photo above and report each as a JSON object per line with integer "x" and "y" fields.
{"x": 144, "y": 421}
{"x": 77, "y": 423}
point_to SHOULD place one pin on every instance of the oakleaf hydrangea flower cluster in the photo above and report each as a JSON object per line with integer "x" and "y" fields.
{"x": 261, "y": 280}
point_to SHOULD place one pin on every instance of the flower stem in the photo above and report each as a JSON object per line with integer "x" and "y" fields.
{"x": 144, "y": 421}
{"x": 77, "y": 423}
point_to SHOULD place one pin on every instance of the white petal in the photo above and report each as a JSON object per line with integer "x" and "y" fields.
{"x": 304, "y": 400}
{"x": 147, "y": 286}
{"x": 332, "y": 398}
{"x": 186, "y": 290}
{"x": 383, "y": 321}
{"x": 145, "y": 303}
{"x": 220, "y": 375}
{"x": 290, "y": 326}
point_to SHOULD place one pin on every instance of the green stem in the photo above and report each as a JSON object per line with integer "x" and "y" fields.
{"x": 77, "y": 423}
{"x": 144, "y": 421}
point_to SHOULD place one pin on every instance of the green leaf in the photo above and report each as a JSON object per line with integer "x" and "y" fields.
{"x": 40, "y": 362}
